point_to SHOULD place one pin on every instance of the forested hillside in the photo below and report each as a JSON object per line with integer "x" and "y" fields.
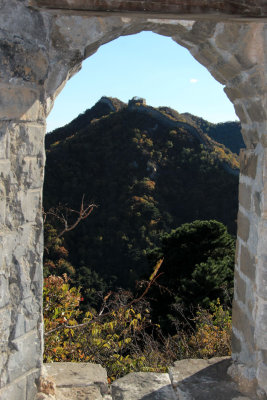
{"x": 148, "y": 171}
{"x": 138, "y": 194}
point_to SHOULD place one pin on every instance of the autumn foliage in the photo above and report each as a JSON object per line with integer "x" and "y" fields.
{"x": 123, "y": 338}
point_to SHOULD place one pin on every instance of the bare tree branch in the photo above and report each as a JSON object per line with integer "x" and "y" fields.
{"x": 83, "y": 213}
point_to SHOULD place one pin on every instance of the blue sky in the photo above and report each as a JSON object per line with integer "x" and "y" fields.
{"x": 146, "y": 65}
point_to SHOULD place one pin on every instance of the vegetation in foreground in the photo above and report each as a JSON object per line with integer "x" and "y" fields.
{"x": 122, "y": 337}
{"x": 163, "y": 322}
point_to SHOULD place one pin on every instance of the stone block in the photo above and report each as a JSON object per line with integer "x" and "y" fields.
{"x": 143, "y": 385}
{"x": 31, "y": 384}
{"x": 4, "y": 291}
{"x": 262, "y": 381}
{"x": 236, "y": 344}
{"x": 5, "y": 174}
{"x": 240, "y": 112}
{"x": 30, "y": 202}
{"x": 202, "y": 31}
{"x": 32, "y": 169}
{"x": 249, "y": 85}
{"x": 245, "y": 379}
{"x": 5, "y": 329}
{"x": 233, "y": 93}
{"x": 4, "y": 142}
{"x": 20, "y": 103}
{"x": 68, "y": 375}
{"x": 228, "y": 35}
{"x": 15, "y": 391}
{"x": 262, "y": 277}
{"x": 27, "y": 139}
{"x": 251, "y": 137}
{"x": 21, "y": 62}
{"x": 5, "y": 322}
{"x": 243, "y": 226}
{"x": 240, "y": 287}
{"x": 261, "y": 325}
{"x": 25, "y": 323}
{"x": 228, "y": 68}
{"x": 244, "y": 325}
{"x": 257, "y": 203}
{"x": 237, "y": 251}
{"x": 247, "y": 263}
{"x": 3, "y": 201}
{"x": 256, "y": 111}
{"x": 203, "y": 379}
{"x": 248, "y": 163}
{"x": 81, "y": 393}
{"x": 245, "y": 196}
{"x": 264, "y": 356}
{"x": 26, "y": 354}
{"x": 205, "y": 54}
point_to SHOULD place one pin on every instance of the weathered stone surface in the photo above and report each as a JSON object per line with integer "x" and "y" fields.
{"x": 69, "y": 375}
{"x": 247, "y": 263}
{"x": 245, "y": 8}
{"x": 236, "y": 344}
{"x": 32, "y": 384}
{"x": 25, "y": 355}
{"x": 245, "y": 379}
{"x": 143, "y": 385}
{"x": 262, "y": 391}
{"x": 203, "y": 379}
{"x": 240, "y": 286}
{"x": 248, "y": 163}
{"x": 240, "y": 111}
{"x": 81, "y": 393}
{"x": 261, "y": 328}
{"x": 243, "y": 323}
{"x": 243, "y": 226}
{"x": 20, "y": 104}
{"x": 16, "y": 391}
{"x": 257, "y": 203}
{"x": 256, "y": 111}
{"x": 245, "y": 196}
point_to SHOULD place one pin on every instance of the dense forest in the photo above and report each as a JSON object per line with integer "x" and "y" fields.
{"x": 138, "y": 198}
{"x": 148, "y": 171}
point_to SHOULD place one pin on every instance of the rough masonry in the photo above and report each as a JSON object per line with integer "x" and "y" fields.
{"x": 41, "y": 47}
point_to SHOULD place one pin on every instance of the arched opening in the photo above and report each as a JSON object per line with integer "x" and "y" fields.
{"x": 151, "y": 66}
{"x": 213, "y": 45}
{"x": 103, "y": 232}
{"x": 234, "y": 54}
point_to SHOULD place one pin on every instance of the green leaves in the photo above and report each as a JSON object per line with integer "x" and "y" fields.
{"x": 197, "y": 268}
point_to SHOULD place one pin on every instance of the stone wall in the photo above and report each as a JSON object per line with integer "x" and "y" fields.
{"x": 230, "y": 8}
{"x": 39, "y": 51}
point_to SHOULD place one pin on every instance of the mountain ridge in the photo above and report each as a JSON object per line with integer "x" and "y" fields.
{"x": 106, "y": 105}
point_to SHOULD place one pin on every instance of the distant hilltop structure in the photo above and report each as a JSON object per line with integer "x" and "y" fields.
{"x": 137, "y": 100}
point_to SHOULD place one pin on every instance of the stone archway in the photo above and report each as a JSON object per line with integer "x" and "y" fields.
{"x": 39, "y": 51}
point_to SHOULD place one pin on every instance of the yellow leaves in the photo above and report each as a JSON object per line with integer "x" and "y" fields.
{"x": 156, "y": 269}
{"x": 94, "y": 331}
{"x": 134, "y": 323}
{"x": 213, "y": 332}
{"x": 109, "y": 339}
